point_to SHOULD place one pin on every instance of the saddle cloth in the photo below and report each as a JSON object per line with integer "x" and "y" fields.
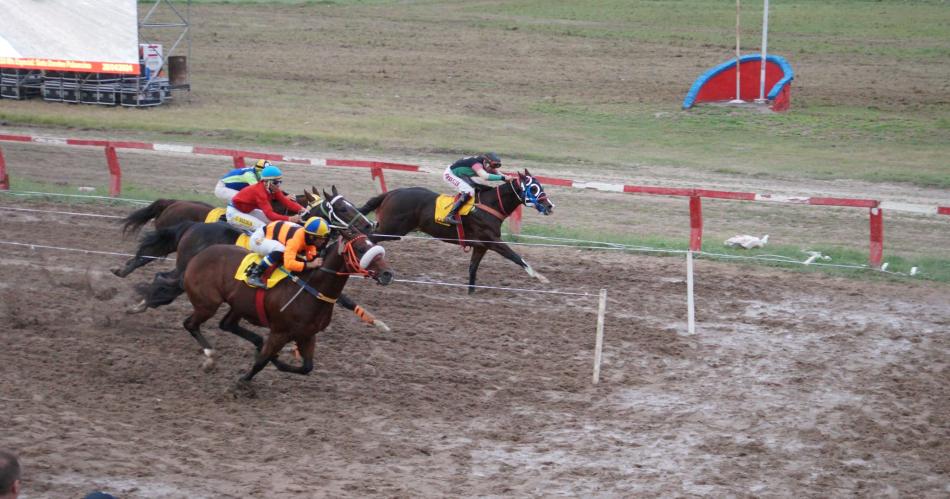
{"x": 215, "y": 215}
{"x": 241, "y": 274}
{"x": 444, "y": 203}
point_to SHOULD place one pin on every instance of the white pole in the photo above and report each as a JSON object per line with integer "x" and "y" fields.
{"x": 738, "y": 93}
{"x": 599, "y": 345}
{"x": 765, "y": 47}
{"x": 690, "y": 305}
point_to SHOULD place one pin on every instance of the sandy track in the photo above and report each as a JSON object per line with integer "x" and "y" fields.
{"x": 794, "y": 384}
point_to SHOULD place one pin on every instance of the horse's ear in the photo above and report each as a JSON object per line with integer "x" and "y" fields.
{"x": 326, "y": 196}
{"x": 308, "y": 196}
{"x": 527, "y": 173}
{"x": 333, "y": 187}
{"x": 313, "y": 189}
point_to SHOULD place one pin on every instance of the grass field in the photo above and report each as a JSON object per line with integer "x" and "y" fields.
{"x": 599, "y": 83}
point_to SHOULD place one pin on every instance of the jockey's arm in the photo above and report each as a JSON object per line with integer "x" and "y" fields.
{"x": 288, "y": 203}
{"x": 295, "y": 246}
{"x": 483, "y": 173}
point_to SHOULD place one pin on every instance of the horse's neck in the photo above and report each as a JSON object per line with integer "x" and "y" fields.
{"x": 325, "y": 282}
{"x": 503, "y": 194}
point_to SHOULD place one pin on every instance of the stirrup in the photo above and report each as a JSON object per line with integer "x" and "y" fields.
{"x": 256, "y": 281}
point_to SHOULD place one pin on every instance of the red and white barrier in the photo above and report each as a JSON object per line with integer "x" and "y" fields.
{"x": 875, "y": 208}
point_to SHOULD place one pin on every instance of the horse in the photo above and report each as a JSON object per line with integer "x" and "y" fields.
{"x": 189, "y": 238}
{"x": 401, "y": 211}
{"x": 290, "y": 314}
{"x": 168, "y": 213}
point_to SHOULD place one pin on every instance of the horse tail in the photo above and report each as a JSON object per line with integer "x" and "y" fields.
{"x": 162, "y": 242}
{"x": 372, "y": 204}
{"x": 134, "y": 222}
{"x": 164, "y": 288}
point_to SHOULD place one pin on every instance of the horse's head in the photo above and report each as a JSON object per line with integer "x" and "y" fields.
{"x": 337, "y": 211}
{"x": 361, "y": 256}
{"x": 532, "y": 193}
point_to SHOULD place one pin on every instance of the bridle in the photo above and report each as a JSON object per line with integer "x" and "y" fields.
{"x": 532, "y": 194}
{"x": 353, "y": 264}
{"x": 335, "y": 220}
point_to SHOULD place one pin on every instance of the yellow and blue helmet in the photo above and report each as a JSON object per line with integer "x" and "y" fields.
{"x": 316, "y": 226}
{"x": 261, "y": 164}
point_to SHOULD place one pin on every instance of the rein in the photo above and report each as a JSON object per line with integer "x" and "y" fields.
{"x": 503, "y": 214}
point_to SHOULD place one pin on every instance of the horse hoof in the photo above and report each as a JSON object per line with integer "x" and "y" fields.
{"x": 381, "y": 326}
{"x": 117, "y": 272}
{"x": 138, "y": 308}
{"x": 541, "y": 278}
{"x": 208, "y": 365}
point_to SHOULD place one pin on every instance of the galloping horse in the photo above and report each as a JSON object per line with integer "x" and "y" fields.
{"x": 190, "y": 238}
{"x": 401, "y": 211}
{"x": 290, "y": 314}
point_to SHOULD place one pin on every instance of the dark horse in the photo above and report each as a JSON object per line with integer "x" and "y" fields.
{"x": 291, "y": 315}
{"x": 168, "y": 213}
{"x": 401, "y": 211}
{"x": 190, "y": 238}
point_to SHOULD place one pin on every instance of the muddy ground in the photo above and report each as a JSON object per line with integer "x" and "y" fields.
{"x": 794, "y": 384}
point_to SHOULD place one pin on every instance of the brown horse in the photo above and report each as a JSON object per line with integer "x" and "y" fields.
{"x": 291, "y": 315}
{"x": 401, "y": 211}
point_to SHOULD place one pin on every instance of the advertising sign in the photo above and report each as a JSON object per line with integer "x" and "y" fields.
{"x": 89, "y": 36}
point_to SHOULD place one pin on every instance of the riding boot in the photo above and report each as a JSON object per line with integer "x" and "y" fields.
{"x": 255, "y": 274}
{"x": 452, "y": 217}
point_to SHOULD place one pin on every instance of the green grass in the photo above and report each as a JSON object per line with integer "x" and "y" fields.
{"x": 929, "y": 268}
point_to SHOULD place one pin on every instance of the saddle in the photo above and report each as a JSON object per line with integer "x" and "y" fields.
{"x": 241, "y": 274}
{"x": 216, "y": 215}
{"x": 444, "y": 203}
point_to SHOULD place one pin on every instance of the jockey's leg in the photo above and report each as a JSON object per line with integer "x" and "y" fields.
{"x": 246, "y": 222}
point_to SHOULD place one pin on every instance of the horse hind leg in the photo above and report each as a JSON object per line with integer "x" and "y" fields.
{"x": 478, "y": 253}
{"x": 193, "y": 325}
{"x": 231, "y": 323}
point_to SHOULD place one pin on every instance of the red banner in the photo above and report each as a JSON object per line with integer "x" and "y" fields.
{"x": 64, "y": 65}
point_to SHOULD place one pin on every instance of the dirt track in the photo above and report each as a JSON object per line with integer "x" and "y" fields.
{"x": 794, "y": 384}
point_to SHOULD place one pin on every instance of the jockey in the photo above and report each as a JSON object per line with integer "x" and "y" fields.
{"x": 235, "y": 180}
{"x": 251, "y": 208}
{"x": 465, "y": 173}
{"x": 287, "y": 243}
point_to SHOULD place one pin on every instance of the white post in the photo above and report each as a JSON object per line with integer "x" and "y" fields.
{"x": 599, "y": 345}
{"x": 738, "y": 79}
{"x": 691, "y": 308}
{"x": 765, "y": 48}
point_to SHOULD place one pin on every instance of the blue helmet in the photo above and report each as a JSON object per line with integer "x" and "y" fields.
{"x": 271, "y": 173}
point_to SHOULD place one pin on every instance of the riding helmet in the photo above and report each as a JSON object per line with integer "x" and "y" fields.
{"x": 261, "y": 164}
{"x": 316, "y": 226}
{"x": 492, "y": 160}
{"x": 271, "y": 173}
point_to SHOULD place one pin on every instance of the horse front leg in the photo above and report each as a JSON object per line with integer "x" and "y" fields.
{"x": 364, "y": 315}
{"x": 478, "y": 253}
{"x": 506, "y": 251}
{"x": 306, "y": 348}
{"x": 273, "y": 345}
